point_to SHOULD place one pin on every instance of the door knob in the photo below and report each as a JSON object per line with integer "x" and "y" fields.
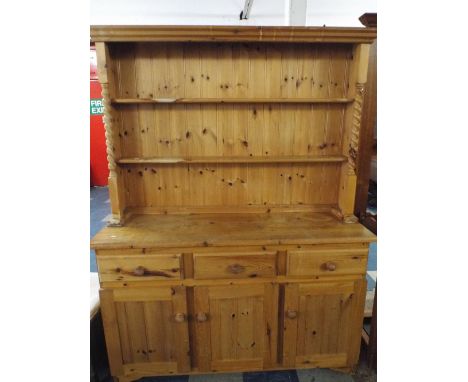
{"x": 329, "y": 266}
{"x": 179, "y": 317}
{"x": 236, "y": 268}
{"x": 202, "y": 317}
{"x": 139, "y": 271}
{"x": 291, "y": 314}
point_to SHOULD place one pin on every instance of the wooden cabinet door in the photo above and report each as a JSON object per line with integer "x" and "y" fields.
{"x": 146, "y": 330}
{"x": 235, "y": 327}
{"x": 322, "y": 323}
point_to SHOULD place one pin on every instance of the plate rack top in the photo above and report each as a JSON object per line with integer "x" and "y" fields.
{"x": 183, "y": 33}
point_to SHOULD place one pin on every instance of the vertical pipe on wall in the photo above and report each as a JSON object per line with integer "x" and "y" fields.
{"x": 295, "y": 12}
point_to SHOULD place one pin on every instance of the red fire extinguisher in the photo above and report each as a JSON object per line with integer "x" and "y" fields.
{"x": 98, "y": 160}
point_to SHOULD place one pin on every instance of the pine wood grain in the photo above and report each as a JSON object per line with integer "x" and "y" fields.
{"x": 147, "y": 231}
{"x": 121, "y": 268}
{"x": 110, "y": 323}
{"x": 145, "y": 327}
{"x": 239, "y": 331}
{"x": 290, "y": 326}
{"x": 234, "y": 265}
{"x": 239, "y": 159}
{"x": 253, "y": 130}
{"x": 228, "y": 100}
{"x": 336, "y": 262}
{"x": 167, "y": 72}
{"x": 178, "y": 185}
{"x": 180, "y": 330}
{"x": 319, "y": 336}
{"x": 203, "y": 330}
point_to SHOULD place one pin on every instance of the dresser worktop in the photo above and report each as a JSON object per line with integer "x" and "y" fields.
{"x": 150, "y": 231}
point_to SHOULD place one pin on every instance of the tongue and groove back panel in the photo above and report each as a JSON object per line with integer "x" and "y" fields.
{"x": 231, "y": 185}
{"x": 275, "y": 129}
{"x": 231, "y": 70}
{"x": 234, "y": 103}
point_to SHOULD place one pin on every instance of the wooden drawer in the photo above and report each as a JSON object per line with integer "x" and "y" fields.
{"x": 327, "y": 262}
{"x": 139, "y": 267}
{"x": 234, "y": 265}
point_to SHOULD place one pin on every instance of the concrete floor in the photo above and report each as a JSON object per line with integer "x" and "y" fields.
{"x": 100, "y": 210}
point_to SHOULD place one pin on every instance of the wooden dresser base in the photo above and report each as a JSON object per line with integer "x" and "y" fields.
{"x": 187, "y": 295}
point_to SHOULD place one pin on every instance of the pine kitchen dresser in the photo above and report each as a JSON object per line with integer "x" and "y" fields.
{"x": 232, "y": 154}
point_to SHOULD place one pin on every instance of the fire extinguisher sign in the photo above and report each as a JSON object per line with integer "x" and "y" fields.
{"x": 96, "y": 106}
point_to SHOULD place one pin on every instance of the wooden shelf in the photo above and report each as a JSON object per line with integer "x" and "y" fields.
{"x": 228, "y": 100}
{"x": 243, "y": 159}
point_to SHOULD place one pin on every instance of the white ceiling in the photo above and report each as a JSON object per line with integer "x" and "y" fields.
{"x": 224, "y": 12}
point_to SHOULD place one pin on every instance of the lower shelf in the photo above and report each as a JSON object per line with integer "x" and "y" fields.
{"x": 236, "y": 159}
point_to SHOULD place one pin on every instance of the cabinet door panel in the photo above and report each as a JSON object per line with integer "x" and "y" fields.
{"x": 322, "y": 322}
{"x": 158, "y": 336}
{"x": 135, "y": 322}
{"x": 151, "y": 327}
{"x": 240, "y": 327}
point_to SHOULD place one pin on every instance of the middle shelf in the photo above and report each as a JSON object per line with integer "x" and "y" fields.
{"x": 235, "y": 159}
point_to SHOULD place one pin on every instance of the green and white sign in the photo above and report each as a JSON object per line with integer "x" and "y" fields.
{"x": 96, "y": 106}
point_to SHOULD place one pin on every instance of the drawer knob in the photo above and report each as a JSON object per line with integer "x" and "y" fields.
{"x": 236, "y": 268}
{"x": 139, "y": 271}
{"x": 202, "y": 317}
{"x": 179, "y": 317}
{"x": 329, "y": 266}
{"x": 291, "y": 314}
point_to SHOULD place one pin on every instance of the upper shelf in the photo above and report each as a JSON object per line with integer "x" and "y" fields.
{"x": 238, "y": 159}
{"x": 229, "y": 100}
{"x": 183, "y": 33}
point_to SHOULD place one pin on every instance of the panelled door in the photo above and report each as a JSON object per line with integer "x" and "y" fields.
{"x": 322, "y": 323}
{"x": 235, "y": 326}
{"x": 146, "y": 329}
